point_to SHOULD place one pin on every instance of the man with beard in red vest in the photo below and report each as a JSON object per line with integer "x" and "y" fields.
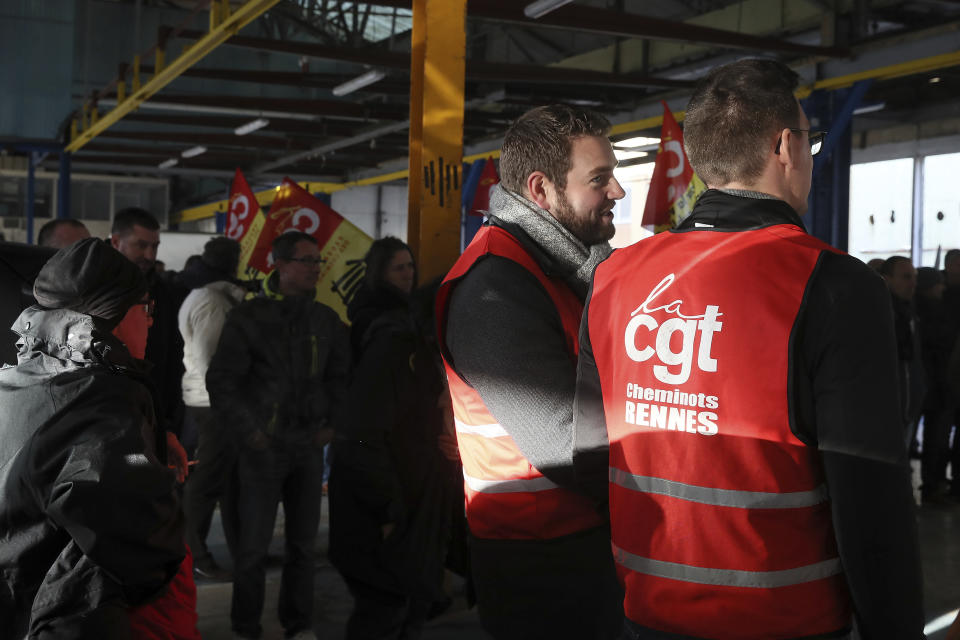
{"x": 508, "y": 316}
{"x": 744, "y": 376}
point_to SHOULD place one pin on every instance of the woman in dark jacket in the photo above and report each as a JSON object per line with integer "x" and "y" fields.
{"x": 390, "y": 494}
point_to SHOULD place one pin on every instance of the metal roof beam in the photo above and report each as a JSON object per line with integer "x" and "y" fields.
{"x": 630, "y": 25}
{"x": 287, "y": 78}
{"x": 318, "y": 108}
{"x": 476, "y": 71}
{"x": 279, "y": 143}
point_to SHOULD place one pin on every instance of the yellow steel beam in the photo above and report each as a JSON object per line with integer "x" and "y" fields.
{"x": 418, "y": 53}
{"x": 170, "y": 71}
{"x": 922, "y": 65}
{"x": 434, "y": 232}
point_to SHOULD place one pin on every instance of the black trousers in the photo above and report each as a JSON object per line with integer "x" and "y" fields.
{"x": 292, "y": 474}
{"x": 211, "y": 480}
{"x": 559, "y": 588}
{"x": 936, "y": 448}
{"x": 383, "y": 615}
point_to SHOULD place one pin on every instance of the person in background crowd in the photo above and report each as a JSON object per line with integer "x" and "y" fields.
{"x": 136, "y": 234}
{"x": 875, "y": 264}
{"x": 936, "y": 339}
{"x": 201, "y": 319}
{"x": 901, "y": 278}
{"x": 507, "y": 320}
{"x": 390, "y": 498}
{"x": 88, "y": 512}
{"x": 951, "y": 307}
{"x": 951, "y": 268}
{"x": 60, "y": 233}
{"x": 278, "y": 376}
{"x": 737, "y": 402}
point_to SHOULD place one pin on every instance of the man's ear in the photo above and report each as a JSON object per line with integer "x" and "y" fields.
{"x": 788, "y": 151}
{"x": 115, "y": 240}
{"x": 538, "y": 189}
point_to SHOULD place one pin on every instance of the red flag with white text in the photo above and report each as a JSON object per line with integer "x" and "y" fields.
{"x": 244, "y": 208}
{"x": 674, "y": 187}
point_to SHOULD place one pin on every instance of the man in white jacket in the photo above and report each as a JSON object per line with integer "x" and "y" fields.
{"x": 201, "y": 319}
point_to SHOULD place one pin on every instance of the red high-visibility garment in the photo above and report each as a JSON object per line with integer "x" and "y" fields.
{"x": 506, "y": 496}
{"x": 720, "y": 516}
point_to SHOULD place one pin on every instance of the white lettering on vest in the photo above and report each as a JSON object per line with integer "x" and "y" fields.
{"x": 685, "y": 325}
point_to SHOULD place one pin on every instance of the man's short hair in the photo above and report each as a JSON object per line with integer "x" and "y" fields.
{"x": 222, "y": 255}
{"x": 284, "y": 245}
{"x": 541, "y": 139}
{"x": 733, "y": 116}
{"x": 890, "y": 264}
{"x": 45, "y": 237}
{"x": 125, "y": 219}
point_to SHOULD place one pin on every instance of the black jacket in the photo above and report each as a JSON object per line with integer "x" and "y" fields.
{"x": 281, "y": 366}
{"x": 165, "y": 352}
{"x": 89, "y": 517}
{"x": 387, "y": 467}
{"x": 843, "y": 400}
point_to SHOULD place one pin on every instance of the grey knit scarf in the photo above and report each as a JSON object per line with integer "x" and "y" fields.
{"x": 572, "y": 260}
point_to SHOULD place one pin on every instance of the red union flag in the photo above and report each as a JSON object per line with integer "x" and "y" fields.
{"x": 244, "y": 208}
{"x": 342, "y": 245}
{"x": 674, "y": 187}
{"x": 481, "y": 197}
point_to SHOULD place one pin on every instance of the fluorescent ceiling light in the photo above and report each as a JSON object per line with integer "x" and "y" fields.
{"x": 251, "y": 126}
{"x": 934, "y": 79}
{"x": 194, "y": 151}
{"x": 869, "y": 108}
{"x": 374, "y": 75}
{"x": 541, "y": 8}
{"x": 166, "y": 164}
{"x": 628, "y": 155}
{"x": 633, "y": 143}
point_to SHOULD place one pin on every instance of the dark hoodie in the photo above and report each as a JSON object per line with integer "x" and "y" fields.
{"x": 89, "y": 517}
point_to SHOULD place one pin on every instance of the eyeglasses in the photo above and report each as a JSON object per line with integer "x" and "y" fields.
{"x": 307, "y": 260}
{"x": 815, "y": 138}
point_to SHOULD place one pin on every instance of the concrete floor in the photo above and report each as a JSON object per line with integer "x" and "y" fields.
{"x": 939, "y": 547}
{"x": 333, "y": 602}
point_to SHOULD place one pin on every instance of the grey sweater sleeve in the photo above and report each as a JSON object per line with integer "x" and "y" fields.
{"x": 506, "y": 340}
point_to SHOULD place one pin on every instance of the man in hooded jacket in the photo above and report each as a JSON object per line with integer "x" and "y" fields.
{"x": 88, "y": 513}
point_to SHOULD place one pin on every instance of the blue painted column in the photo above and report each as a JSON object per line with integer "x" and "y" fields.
{"x": 31, "y": 180}
{"x": 63, "y": 186}
{"x": 828, "y": 214}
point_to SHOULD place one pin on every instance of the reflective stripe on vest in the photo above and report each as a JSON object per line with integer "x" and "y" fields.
{"x": 492, "y": 430}
{"x": 718, "y": 497}
{"x": 727, "y": 577}
{"x": 506, "y": 496}
{"x": 516, "y": 485}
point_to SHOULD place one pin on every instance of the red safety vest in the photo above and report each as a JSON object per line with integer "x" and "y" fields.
{"x": 720, "y": 517}
{"x": 506, "y": 496}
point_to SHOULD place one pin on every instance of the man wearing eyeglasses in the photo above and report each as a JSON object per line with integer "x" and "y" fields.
{"x": 277, "y": 377}
{"x": 737, "y": 400}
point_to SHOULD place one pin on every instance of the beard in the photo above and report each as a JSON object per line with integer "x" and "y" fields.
{"x": 589, "y": 229}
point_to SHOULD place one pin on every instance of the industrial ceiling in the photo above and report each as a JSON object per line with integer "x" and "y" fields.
{"x": 277, "y": 77}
